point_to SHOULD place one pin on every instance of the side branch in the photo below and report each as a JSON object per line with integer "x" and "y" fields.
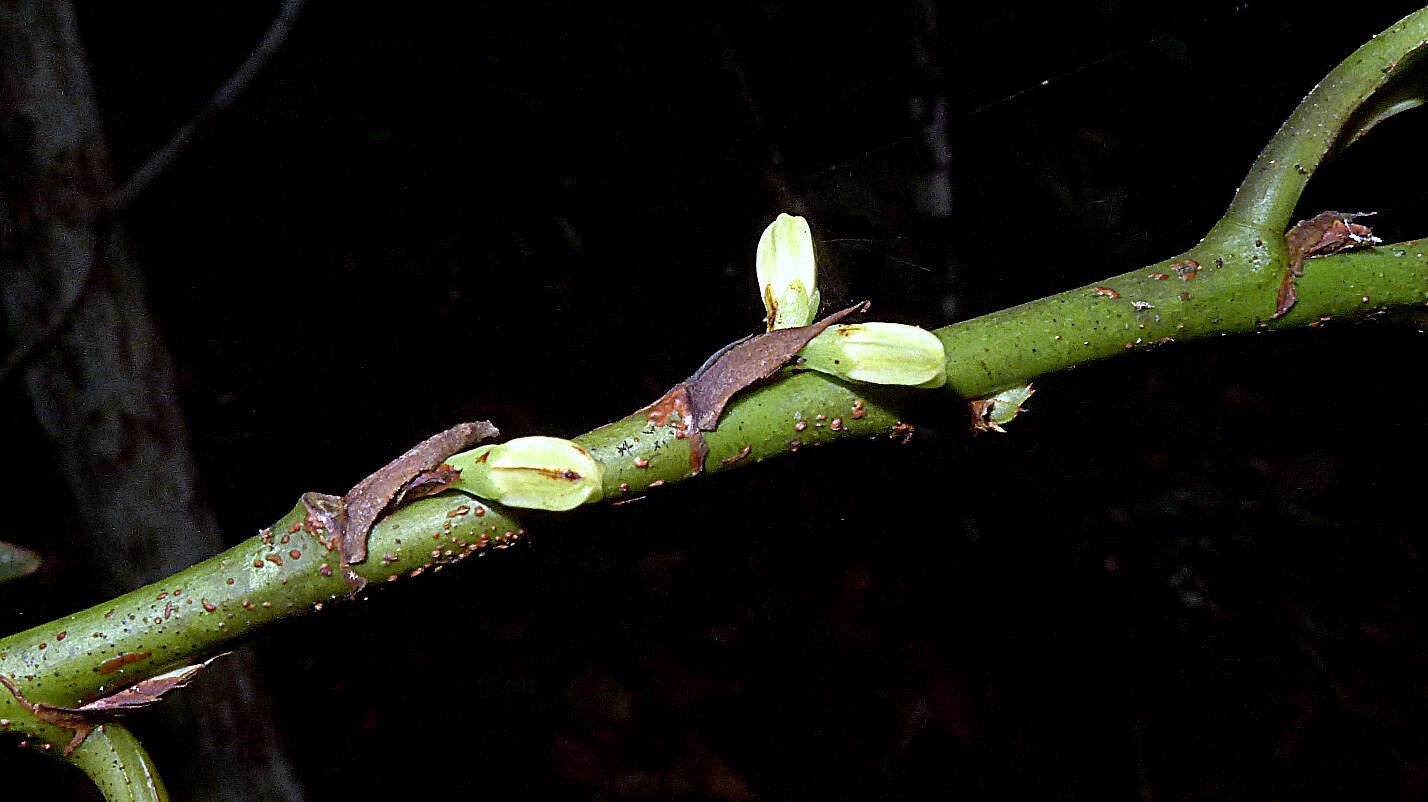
{"x": 223, "y": 98}
{"x": 1266, "y": 199}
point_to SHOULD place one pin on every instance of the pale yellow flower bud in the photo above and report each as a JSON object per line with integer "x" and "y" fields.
{"x": 878, "y": 353}
{"x": 538, "y": 473}
{"x": 787, "y": 273}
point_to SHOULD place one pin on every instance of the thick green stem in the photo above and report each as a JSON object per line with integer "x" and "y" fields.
{"x": 287, "y": 570}
{"x": 1232, "y": 293}
{"x": 1226, "y": 284}
{"x": 284, "y": 571}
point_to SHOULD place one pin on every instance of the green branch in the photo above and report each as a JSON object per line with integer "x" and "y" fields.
{"x": 1225, "y": 285}
{"x": 119, "y": 766}
{"x": 1228, "y": 295}
{"x": 1266, "y": 199}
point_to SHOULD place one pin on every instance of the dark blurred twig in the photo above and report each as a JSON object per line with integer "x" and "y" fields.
{"x": 158, "y": 162}
{"x": 163, "y": 158}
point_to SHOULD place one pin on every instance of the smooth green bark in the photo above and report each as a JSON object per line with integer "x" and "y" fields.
{"x": 119, "y": 766}
{"x": 1266, "y": 198}
{"x": 1225, "y": 285}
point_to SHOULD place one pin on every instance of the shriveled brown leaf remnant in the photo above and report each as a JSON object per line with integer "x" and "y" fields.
{"x": 84, "y": 719}
{"x": 419, "y": 472}
{"x": 702, "y": 397}
{"x": 366, "y": 502}
{"x": 1329, "y": 232}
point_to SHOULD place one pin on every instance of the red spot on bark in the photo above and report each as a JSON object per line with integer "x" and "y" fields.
{"x": 115, "y": 663}
{"x": 1185, "y": 268}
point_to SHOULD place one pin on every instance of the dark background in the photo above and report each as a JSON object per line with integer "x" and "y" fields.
{"x": 1192, "y": 574}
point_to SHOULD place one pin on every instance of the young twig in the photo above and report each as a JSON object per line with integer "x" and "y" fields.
{"x": 163, "y": 158}
{"x": 160, "y": 161}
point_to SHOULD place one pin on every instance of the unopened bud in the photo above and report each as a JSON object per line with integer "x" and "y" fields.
{"x": 878, "y": 353}
{"x": 787, "y": 273}
{"x": 539, "y": 473}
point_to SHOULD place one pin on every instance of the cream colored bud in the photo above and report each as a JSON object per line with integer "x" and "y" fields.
{"x": 878, "y": 353}
{"x": 787, "y": 273}
{"x": 538, "y": 473}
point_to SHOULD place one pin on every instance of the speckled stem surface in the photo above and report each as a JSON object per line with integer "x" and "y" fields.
{"x": 284, "y": 571}
{"x": 1225, "y": 285}
{"x": 1266, "y": 198}
{"x": 287, "y": 571}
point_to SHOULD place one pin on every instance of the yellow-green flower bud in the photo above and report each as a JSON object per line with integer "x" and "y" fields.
{"x": 538, "y": 473}
{"x": 878, "y": 353}
{"x": 787, "y": 272}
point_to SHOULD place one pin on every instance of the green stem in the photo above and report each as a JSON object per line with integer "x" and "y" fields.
{"x": 119, "y": 766}
{"x": 206, "y": 608}
{"x": 1232, "y": 293}
{"x": 1224, "y": 285}
{"x": 1266, "y": 199}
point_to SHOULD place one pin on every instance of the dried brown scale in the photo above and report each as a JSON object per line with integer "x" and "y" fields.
{"x": 1326, "y": 233}
{"x": 702, "y": 397}
{"x": 86, "y": 718}
{"x": 743, "y": 452}
{"x": 369, "y": 498}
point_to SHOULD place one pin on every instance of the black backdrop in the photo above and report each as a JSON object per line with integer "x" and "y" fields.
{"x": 1188, "y": 574}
